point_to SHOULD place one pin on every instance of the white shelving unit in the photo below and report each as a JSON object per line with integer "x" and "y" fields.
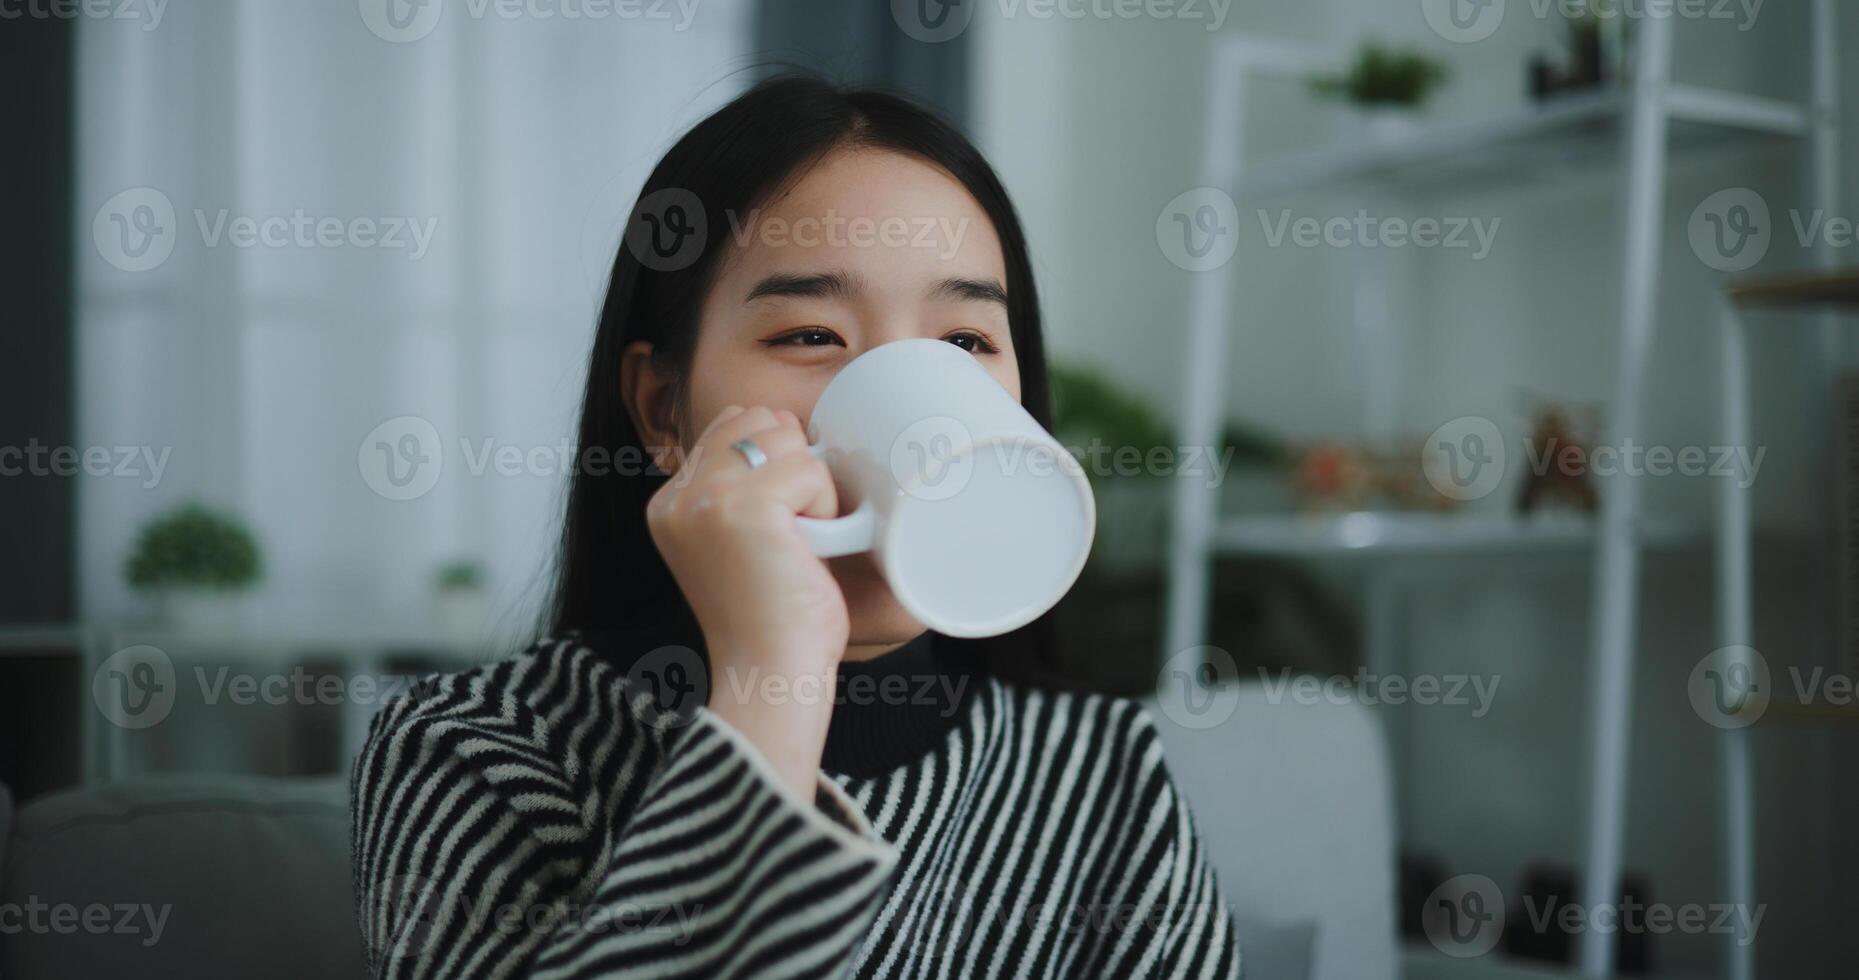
{"x": 1633, "y": 129}
{"x": 1372, "y": 535}
{"x": 1734, "y": 541}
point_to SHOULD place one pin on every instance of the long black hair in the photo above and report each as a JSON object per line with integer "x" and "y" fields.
{"x": 611, "y": 578}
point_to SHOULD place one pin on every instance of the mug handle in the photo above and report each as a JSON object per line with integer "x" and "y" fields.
{"x": 848, "y": 534}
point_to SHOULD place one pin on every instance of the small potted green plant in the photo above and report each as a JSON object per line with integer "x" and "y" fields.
{"x": 1384, "y": 87}
{"x": 1136, "y": 462}
{"x": 197, "y": 563}
{"x": 1132, "y": 457}
{"x": 460, "y": 603}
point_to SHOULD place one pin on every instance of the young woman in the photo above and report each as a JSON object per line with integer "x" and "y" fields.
{"x": 854, "y": 794}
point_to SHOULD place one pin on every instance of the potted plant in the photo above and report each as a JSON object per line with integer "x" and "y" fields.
{"x": 1121, "y": 436}
{"x": 196, "y": 562}
{"x": 1384, "y": 87}
{"x": 1109, "y": 621}
{"x": 460, "y": 604}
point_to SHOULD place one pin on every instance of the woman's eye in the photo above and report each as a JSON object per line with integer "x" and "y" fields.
{"x": 809, "y": 337}
{"x": 972, "y": 342}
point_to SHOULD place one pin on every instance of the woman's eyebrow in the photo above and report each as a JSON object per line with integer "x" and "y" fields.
{"x": 836, "y": 284}
{"x": 977, "y": 290}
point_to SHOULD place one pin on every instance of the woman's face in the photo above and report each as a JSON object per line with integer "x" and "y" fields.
{"x": 867, "y": 247}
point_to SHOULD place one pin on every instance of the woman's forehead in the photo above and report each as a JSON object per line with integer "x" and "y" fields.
{"x": 887, "y": 217}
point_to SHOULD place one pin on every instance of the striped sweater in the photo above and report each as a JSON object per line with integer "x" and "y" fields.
{"x": 549, "y": 815}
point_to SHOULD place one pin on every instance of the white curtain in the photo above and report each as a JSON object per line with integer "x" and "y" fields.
{"x": 364, "y": 228}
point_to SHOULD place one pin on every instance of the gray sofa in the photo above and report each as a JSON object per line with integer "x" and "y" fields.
{"x": 249, "y": 877}
{"x": 210, "y": 876}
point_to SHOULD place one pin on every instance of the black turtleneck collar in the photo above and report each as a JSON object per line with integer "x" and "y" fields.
{"x": 897, "y": 707}
{"x": 888, "y": 711}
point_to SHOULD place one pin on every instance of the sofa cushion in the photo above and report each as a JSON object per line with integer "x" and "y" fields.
{"x": 184, "y": 877}
{"x": 1295, "y": 802}
{"x": 1276, "y": 950}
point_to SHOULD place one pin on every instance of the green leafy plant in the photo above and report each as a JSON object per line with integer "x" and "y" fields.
{"x": 192, "y": 546}
{"x": 1087, "y": 405}
{"x": 462, "y": 574}
{"x": 1382, "y": 76}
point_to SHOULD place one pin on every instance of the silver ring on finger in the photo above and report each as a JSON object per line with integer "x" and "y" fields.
{"x": 751, "y": 452}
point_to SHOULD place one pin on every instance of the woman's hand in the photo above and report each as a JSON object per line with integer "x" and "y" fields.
{"x": 768, "y": 606}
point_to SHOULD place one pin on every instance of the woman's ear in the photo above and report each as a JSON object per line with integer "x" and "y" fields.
{"x": 650, "y": 396}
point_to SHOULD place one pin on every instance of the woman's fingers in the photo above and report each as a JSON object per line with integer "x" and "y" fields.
{"x": 795, "y": 477}
{"x": 801, "y": 482}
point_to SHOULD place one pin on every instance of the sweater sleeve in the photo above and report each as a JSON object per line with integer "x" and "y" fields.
{"x": 1177, "y": 922}
{"x": 494, "y": 839}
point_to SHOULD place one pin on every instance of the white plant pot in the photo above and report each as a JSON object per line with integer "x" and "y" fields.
{"x": 1380, "y": 124}
{"x": 201, "y": 610}
{"x": 460, "y": 616}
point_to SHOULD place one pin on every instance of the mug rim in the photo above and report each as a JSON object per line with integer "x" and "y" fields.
{"x": 1081, "y": 485}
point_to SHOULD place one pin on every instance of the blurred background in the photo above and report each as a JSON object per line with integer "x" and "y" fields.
{"x": 1490, "y": 589}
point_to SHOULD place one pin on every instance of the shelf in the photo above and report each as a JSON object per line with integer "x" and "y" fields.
{"x": 285, "y": 647}
{"x": 1520, "y": 145}
{"x": 1836, "y": 289}
{"x": 1420, "y": 961}
{"x": 1376, "y": 534}
{"x": 1845, "y": 713}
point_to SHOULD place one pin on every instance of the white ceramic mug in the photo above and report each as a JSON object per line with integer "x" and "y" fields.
{"x": 978, "y": 518}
